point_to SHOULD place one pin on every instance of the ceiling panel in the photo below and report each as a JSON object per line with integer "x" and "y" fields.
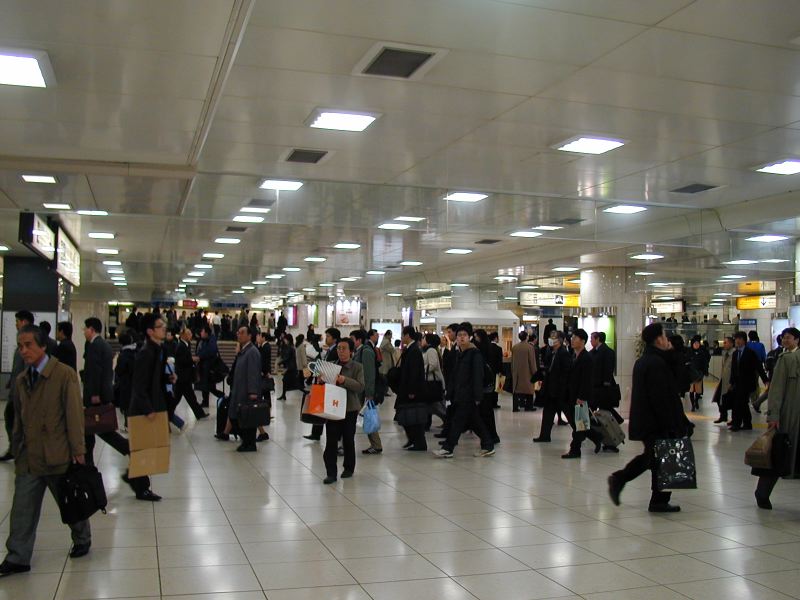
{"x": 645, "y": 12}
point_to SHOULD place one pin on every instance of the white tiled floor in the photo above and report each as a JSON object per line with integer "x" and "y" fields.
{"x": 521, "y": 525}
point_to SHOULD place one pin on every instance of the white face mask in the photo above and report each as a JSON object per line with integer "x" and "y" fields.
{"x": 551, "y": 342}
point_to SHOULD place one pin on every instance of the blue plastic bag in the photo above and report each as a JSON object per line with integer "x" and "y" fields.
{"x": 583, "y": 420}
{"x": 372, "y": 420}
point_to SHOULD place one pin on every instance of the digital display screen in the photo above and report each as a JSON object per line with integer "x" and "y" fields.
{"x": 35, "y": 233}
{"x": 68, "y": 259}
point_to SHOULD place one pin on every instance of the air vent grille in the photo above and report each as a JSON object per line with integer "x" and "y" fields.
{"x": 487, "y": 242}
{"x": 310, "y": 157}
{"x": 233, "y": 229}
{"x": 394, "y": 62}
{"x": 694, "y": 188}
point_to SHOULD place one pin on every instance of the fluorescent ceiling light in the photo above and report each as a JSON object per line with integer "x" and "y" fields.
{"x": 548, "y": 227}
{"x": 248, "y": 287}
{"x": 57, "y": 206}
{"x": 349, "y": 279}
{"x": 624, "y": 209}
{"x": 275, "y": 276}
{"x": 376, "y": 272}
{"x": 107, "y": 251}
{"x": 260, "y": 282}
{"x": 411, "y": 263}
{"x": 566, "y": 269}
{"x": 112, "y": 263}
{"x": 292, "y": 269}
{"x": 665, "y": 298}
{"x": 116, "y": 271}
{"x": 459, "y": 285}
{"x": 525, "y": 233}
{"x": 93, "y": 213}
{"x": 458, "y": 251}
{"x": 784, "y": 167}
{"x": 280, "y": 185}
{"x": 39, "y": 179}
{"x": 347, "y": 246}
{"x": 394, "y": 295}
{"x": 188, "y": 280}
{"x": 225, "y": 240}
{"x": 658, "y": 284}
{"x": 410, "y": 219}
{"x": 314, "y": 259}
{"x": 101, "y": 235}
{"x": 120, "y": 283}
{"x": 237, "y": 291}
{"x": 396, "y": 226}
{"x": 203, "y": 266}
{"x": 181, "y": 285}
{"x": 644, "y": 273}
{"x": 465, "y": 197}
{"x": 254, "y": 209}
{"x": 733, "y": 277}
{"x": 741, "y": 261}
{"x": 509, "y": 297}
{"x": 423, "y": 290}
{"x": 29, "y": 68}
{"x": 342, "y": 120}
{"x": 573, "y": 280}
{"x": 326, "y": 285}
{"x": 590, "y": 145}
{"x": 213, "y": 255}
{"x": 309, "y": 289}
{"x": 722, "y": 294}
{"x": 675, "y": 283}
{"x": 775, "y": 260}
{"x": 527, "y": 287}
{"x": 248, "y": 219}
{"x": 505, "y": 278}
{"x": 647, "y": 256}
{"x": 767, "y": 238}
{"x": 118, "y": 278}
{"x": 196, "y": 273}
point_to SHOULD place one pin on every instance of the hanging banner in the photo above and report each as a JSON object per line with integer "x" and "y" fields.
{"x": 548, "y": 299}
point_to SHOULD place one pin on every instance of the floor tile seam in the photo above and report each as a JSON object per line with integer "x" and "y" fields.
{"x": 621, "y": 567}
{"x": 671, "y": 586}
{"x": 669, "y": 550}
{"x": 744, "y": 544}
{"x": 707, "y": 578}
{"x": 767, "y": 584}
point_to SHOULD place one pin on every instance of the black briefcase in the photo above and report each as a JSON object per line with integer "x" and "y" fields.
{"x": 80, "y": 493}
{"x": 253, "y": 413}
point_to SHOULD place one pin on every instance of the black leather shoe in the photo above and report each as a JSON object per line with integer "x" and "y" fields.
{"x": 222, "y": 437}
{"x": 262, "y": 437}
{"x": 541, "y": 439}
{"x": 313, "y": 438}
{"x": 79, "y": 550}
{"x": 763, "y": 503}
{"x": 247, "y": 448}
{"x": 407, "y": 445}
{"x": 347, "y": 474}
{"x": 597, "y": 447}
{"x": 4, "y": 458}
{"x": 329, "y": 480}
{"x": 615, "y": 489}
{"x": 148, "y": 495}
{"x": 747, "y": 428}
{"x": 571, "y": 455}
{"x": 205, "y": 415}
{"x": 563, "y": 423}
{"x": 9, "y": 568}
{"x": 417, "y": 449}
{"x": 664, "y": 508}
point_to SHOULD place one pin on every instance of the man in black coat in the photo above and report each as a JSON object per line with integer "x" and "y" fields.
{"x": 746, "y": 368}
{"x": 185, "y": 370}
{"x": 656, "y": 413}
{"x": 65, "y": 351}
{"x": 556, "y": 384}
{"x": 604, "y": 387}
{"x": 412, "y": 387}
{"x": 51, "y": 343}
{"x": 580, "y": 394}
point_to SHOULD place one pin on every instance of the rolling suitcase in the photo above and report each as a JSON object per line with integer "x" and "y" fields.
{"x": 605, "y": 423}
{"x": 222, "y": 414}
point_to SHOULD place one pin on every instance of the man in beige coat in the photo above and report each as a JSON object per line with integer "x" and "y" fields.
{"x": 47, "y": 437}
{"x": 523, "y": 367}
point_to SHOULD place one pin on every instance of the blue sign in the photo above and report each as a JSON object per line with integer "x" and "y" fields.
{"x": 747, "y": 322}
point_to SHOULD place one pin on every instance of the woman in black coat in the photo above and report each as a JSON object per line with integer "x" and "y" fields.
{"x": 288, "y": 358}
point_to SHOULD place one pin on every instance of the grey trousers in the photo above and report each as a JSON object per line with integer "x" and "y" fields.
{"x": 25, "y": 510}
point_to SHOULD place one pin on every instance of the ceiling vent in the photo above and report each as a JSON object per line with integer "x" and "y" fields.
{"x": 398, "y": 61}
{"x": 693, "y": 188}
{"x": 310, "y": 157}
{"x": 569, "y": 221}
{"x": 487, "y": 242}
{"x": 392, "y": 267}
{"x": 233, "y": 229}
{"x": 259, "y": 203}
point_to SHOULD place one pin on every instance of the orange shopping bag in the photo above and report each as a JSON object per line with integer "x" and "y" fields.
{"x": 327, "y": 401}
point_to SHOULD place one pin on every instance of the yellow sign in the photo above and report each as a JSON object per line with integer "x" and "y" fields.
{"x": 755, "y": 302}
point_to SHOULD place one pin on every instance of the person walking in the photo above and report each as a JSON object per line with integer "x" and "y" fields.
{"x": 721, "y": 397}
{"x": 467, "y": 394}
{"x": 556, "y": 385}
{"x": 434, "y": 378}
{"x": 605, "y": 390}
{"x": 412, "y": 387}
{"x": 699, "y": 358}
{"x": 523, "y": 368}
{"x": 656, "y": 413}
{"x": 246, "y": 386}
{"x": 65, "y": 352}
{"x": 580, "y": 394}
{"x": 769, "y": 367}
{"x": 365, "y": 356}
{"x": 487, "y": 407}
{"x": 746, "y": 367}
{"x": 332, "y": 337}
{"x": 185, "y": 370}
{"x": 267, "y": 382}
{"x": 288, "y": 361}
{"x": 351, "y": 378}
{"x": 48, "y": 435}
{"x": 207, "y": 352}
{"x": 22, "y": 318}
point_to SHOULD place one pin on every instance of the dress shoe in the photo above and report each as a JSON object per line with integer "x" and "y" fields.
{"x": 329, "y": 480}
{"x": 571, "y": 455}
{"x": 9, "y": 456}
{"x": 205, "y": 415}
{"x": 615, "y": 488}
{"x": 597, "y": 447}
{"x": 247, "y": 448}
{"x": 664, "y": 508}
{"x": 222, "y": 436}
{"x": 734, "y": 428}
{"x": 720, "y": 420}
{"x": 347, "y": 474}
{"x": 763, "y": 502}
{"x": 440, "y": 435}
{"x": 747, "y": 428}
{"x": 79, "y": 550}
{"x": 407, "y": 445}
{"x": 417, "y": 449}
{"x": 372, "y": 451}
{"x": 262, "y": 437}
{"x": 541, "y": 439}
{"x": 148, "y": 495}
{"x": 514, "y": 410}
{"x": 9, "y": 568}
{"x": 313, "y": 438}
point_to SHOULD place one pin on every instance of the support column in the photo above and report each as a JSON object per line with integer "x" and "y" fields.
{"x": 608, "y": 287}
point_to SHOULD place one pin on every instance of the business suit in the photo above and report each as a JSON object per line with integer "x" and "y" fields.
{"x": 412, "y": 391}
{"x": 66, "y": 354}
{"x": 604, "y": 363}
{"x": 556, "y": 390}
{"x": 745, "y": 370}
{"x": 184, "y": 387}
{"x": 580, "y": 388}
{"x": 246, "y": 384}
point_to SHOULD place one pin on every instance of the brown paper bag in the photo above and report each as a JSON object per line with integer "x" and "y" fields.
{"x": 149, "y": 443}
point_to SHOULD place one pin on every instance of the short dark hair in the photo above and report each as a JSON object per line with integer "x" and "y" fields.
{"x": 148, "y": 321}
{"x": 740, "y": 335}
{"x": 349, "y": 343}
{"x": 452, "y": 327}
{"x": 288, "y": 337}
{"x": 125, "y": 339}
{"x": 753, "y": 335}
{"x": 334, "y": 333}
{"x": 523, "y": 336}
{"x": 432, "y": 340}
{"x": 792, "y": 331}
{"x": 388, "y": 333}
{"x": 600, "y": 335}
{"x": 38, "y": 335}
{"x": 65, "y": 327}
{"x": 95, "y": 324}
{"x": 24, "y": 315}
{"x": 493, "y": 336}
{"x": 46, "y": 327}
{"x": 560, "y": 335}
{"x": 581, "y": 333}
{"x": 410, "y": 332}
{"x": 652, "y": 332}
{"x": 372, "y": 332}
{"x": 359, "y": 334}
{"x": 466, "y": 325}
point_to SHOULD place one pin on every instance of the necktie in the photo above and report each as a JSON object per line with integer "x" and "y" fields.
{"x": 34, "y": 376}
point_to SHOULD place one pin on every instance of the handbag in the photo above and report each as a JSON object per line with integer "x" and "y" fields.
{"x": 80, "y": 493}
{"x": 759, "y": 454}
{"x": 583, "y": 419}
{"x": 372, "y": 419}
{"x": 674, "y": 464}
{"x": 409, "y": 415}
{"x": 100, "y": 418}
{"x": 253, "y": 413}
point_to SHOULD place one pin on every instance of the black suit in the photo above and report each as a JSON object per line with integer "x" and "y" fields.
{"x": 412, "y": 390}
{"x": 185, "y": 371}
{"x": 745, "y": 370}
{"x": 580, "y": 388}
{"x": 556, "y": 389}
{"x": 66, "y": 353}
{"x": 604, "y": 361}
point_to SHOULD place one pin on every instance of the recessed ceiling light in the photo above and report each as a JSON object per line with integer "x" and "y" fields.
{"x": 465, "y": 196}
{"x": 281, "y": 185}
{"x": 525, "y": 233}
{"x": 411, "y": 263}
{"x": 116, "y": 271}
{"x": 783, "y": 167}
{"x": 423, "y": 290}
{"x": 189, "y": 280}
{"x": 347, "y": 246}
{"x": 237, "y": 291}
{"x": 326, "y": 284}
{"x": 196, "y": 273}
{"x": 502, "y": 278}
{"x": 565, "y": 269}
{"x": 349, "y": 279}
{"x": 624, "y": 209}
{"x": 675, "y": 283}
{"x": 733, "y": 277}
{"x": 527, "y": 287}
{"x": 93, "y": 213}
{"x": 589, "y": 145}
{"x": 260, "y": 282}
{"x": 548, "y": 227}
{"x": 121, "y": 283}
{"x": 101, "y": 235}
{"x": 658, "y": 284}
{"x": 410, "y": 219}
{"x": 459, "y": 285}
{"x": 291, "y": 269}
{"x": 342, "y": 120}
{"x": 3, "y": 248}
{"x": 314, "y": 259}
{"x": 309, "y": 289}
{"x": 248, "y": 219}
{"x": 774, "y": 260}
{"x": 767, "y": 238}
{"x": 203, "y": 266}
{"x": 665, "y": 298}
{"x": 29, "y": 68}
{"x": 396, "y": 226}
{"x": 248, "y": 287}
{"x": 458, "y": 251}
{"x": 275, "y": 276}
{"x": 57, "y": 206}
{"x": 213, "y": 255}
{"x": 118, "y": 278}
{"x": 111, "y": 251}
{"x": 254, "y": 209}
{"x": 376, "y": 272}
{"x": 573, "y": 280}
{"x": 722, "y": 294}
{"x": 741, "y": 261}
{"x": 647, "y": 256}
{"x": 112, "y": 263}
{"x": 644, "y": 273}
{"x": 394, "y": 294}
{"x": 39, "y": 179}
{"x": 225, "y": 240}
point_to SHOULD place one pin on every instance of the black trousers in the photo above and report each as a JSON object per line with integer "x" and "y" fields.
{"x": 766, "y": 483}
{"x": 637, "y": 466}
{"x": 316, "y": 431}
{"x": 8, "y": 415}
{"x": 186, "y": 391}
{"x": 466, "y": 415}
{"x": 742, "y": 417}
{"x": 248, "y": 434}
{"x": 578, "y": 437}
{"x": 121, "y": 445}
{"x": 523, "y": 401}
{"x": 486, "y": 412}
{"x": 416, "y": 435}
{"x": 210, "y": 388}
{"x": 344, "y": 430}
{"x": 552, "y": 407}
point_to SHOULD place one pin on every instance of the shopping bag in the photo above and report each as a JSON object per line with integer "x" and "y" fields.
{"x": 759, "y": 454}
{"x": 327, "y": 401}
{"x": 583, "y": 420}
{"x": 371, "y": 418}
{"x": 674, "y": 464}
{"x": 149, "y": 445}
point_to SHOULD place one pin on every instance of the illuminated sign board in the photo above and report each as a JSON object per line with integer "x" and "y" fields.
{"x": 35, "y": 233}
{"x": 68, "y": 258}
{"x": 755, "y": 302}
{"x": 548, "y": 299}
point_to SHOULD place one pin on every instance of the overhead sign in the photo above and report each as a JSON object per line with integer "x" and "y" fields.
{"x": 754, "y": 287}
{"x": 68, "y": 258}
{"x": 434, "y": 303}
{"x": 668, "y": 308}
{"x": 189, "y": 304}
{"x": 755, "y": 302}
{"x": 35, "y": 233}
{"x": 548, "y": 299}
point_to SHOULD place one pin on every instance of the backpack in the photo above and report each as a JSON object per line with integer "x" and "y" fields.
{"x": 80, "y": 493}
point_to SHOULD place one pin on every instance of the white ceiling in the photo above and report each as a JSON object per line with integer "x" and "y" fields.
{"x": 168, "y": 114}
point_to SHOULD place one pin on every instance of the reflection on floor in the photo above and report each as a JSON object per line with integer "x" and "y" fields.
{"x": 520, "y": 525}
